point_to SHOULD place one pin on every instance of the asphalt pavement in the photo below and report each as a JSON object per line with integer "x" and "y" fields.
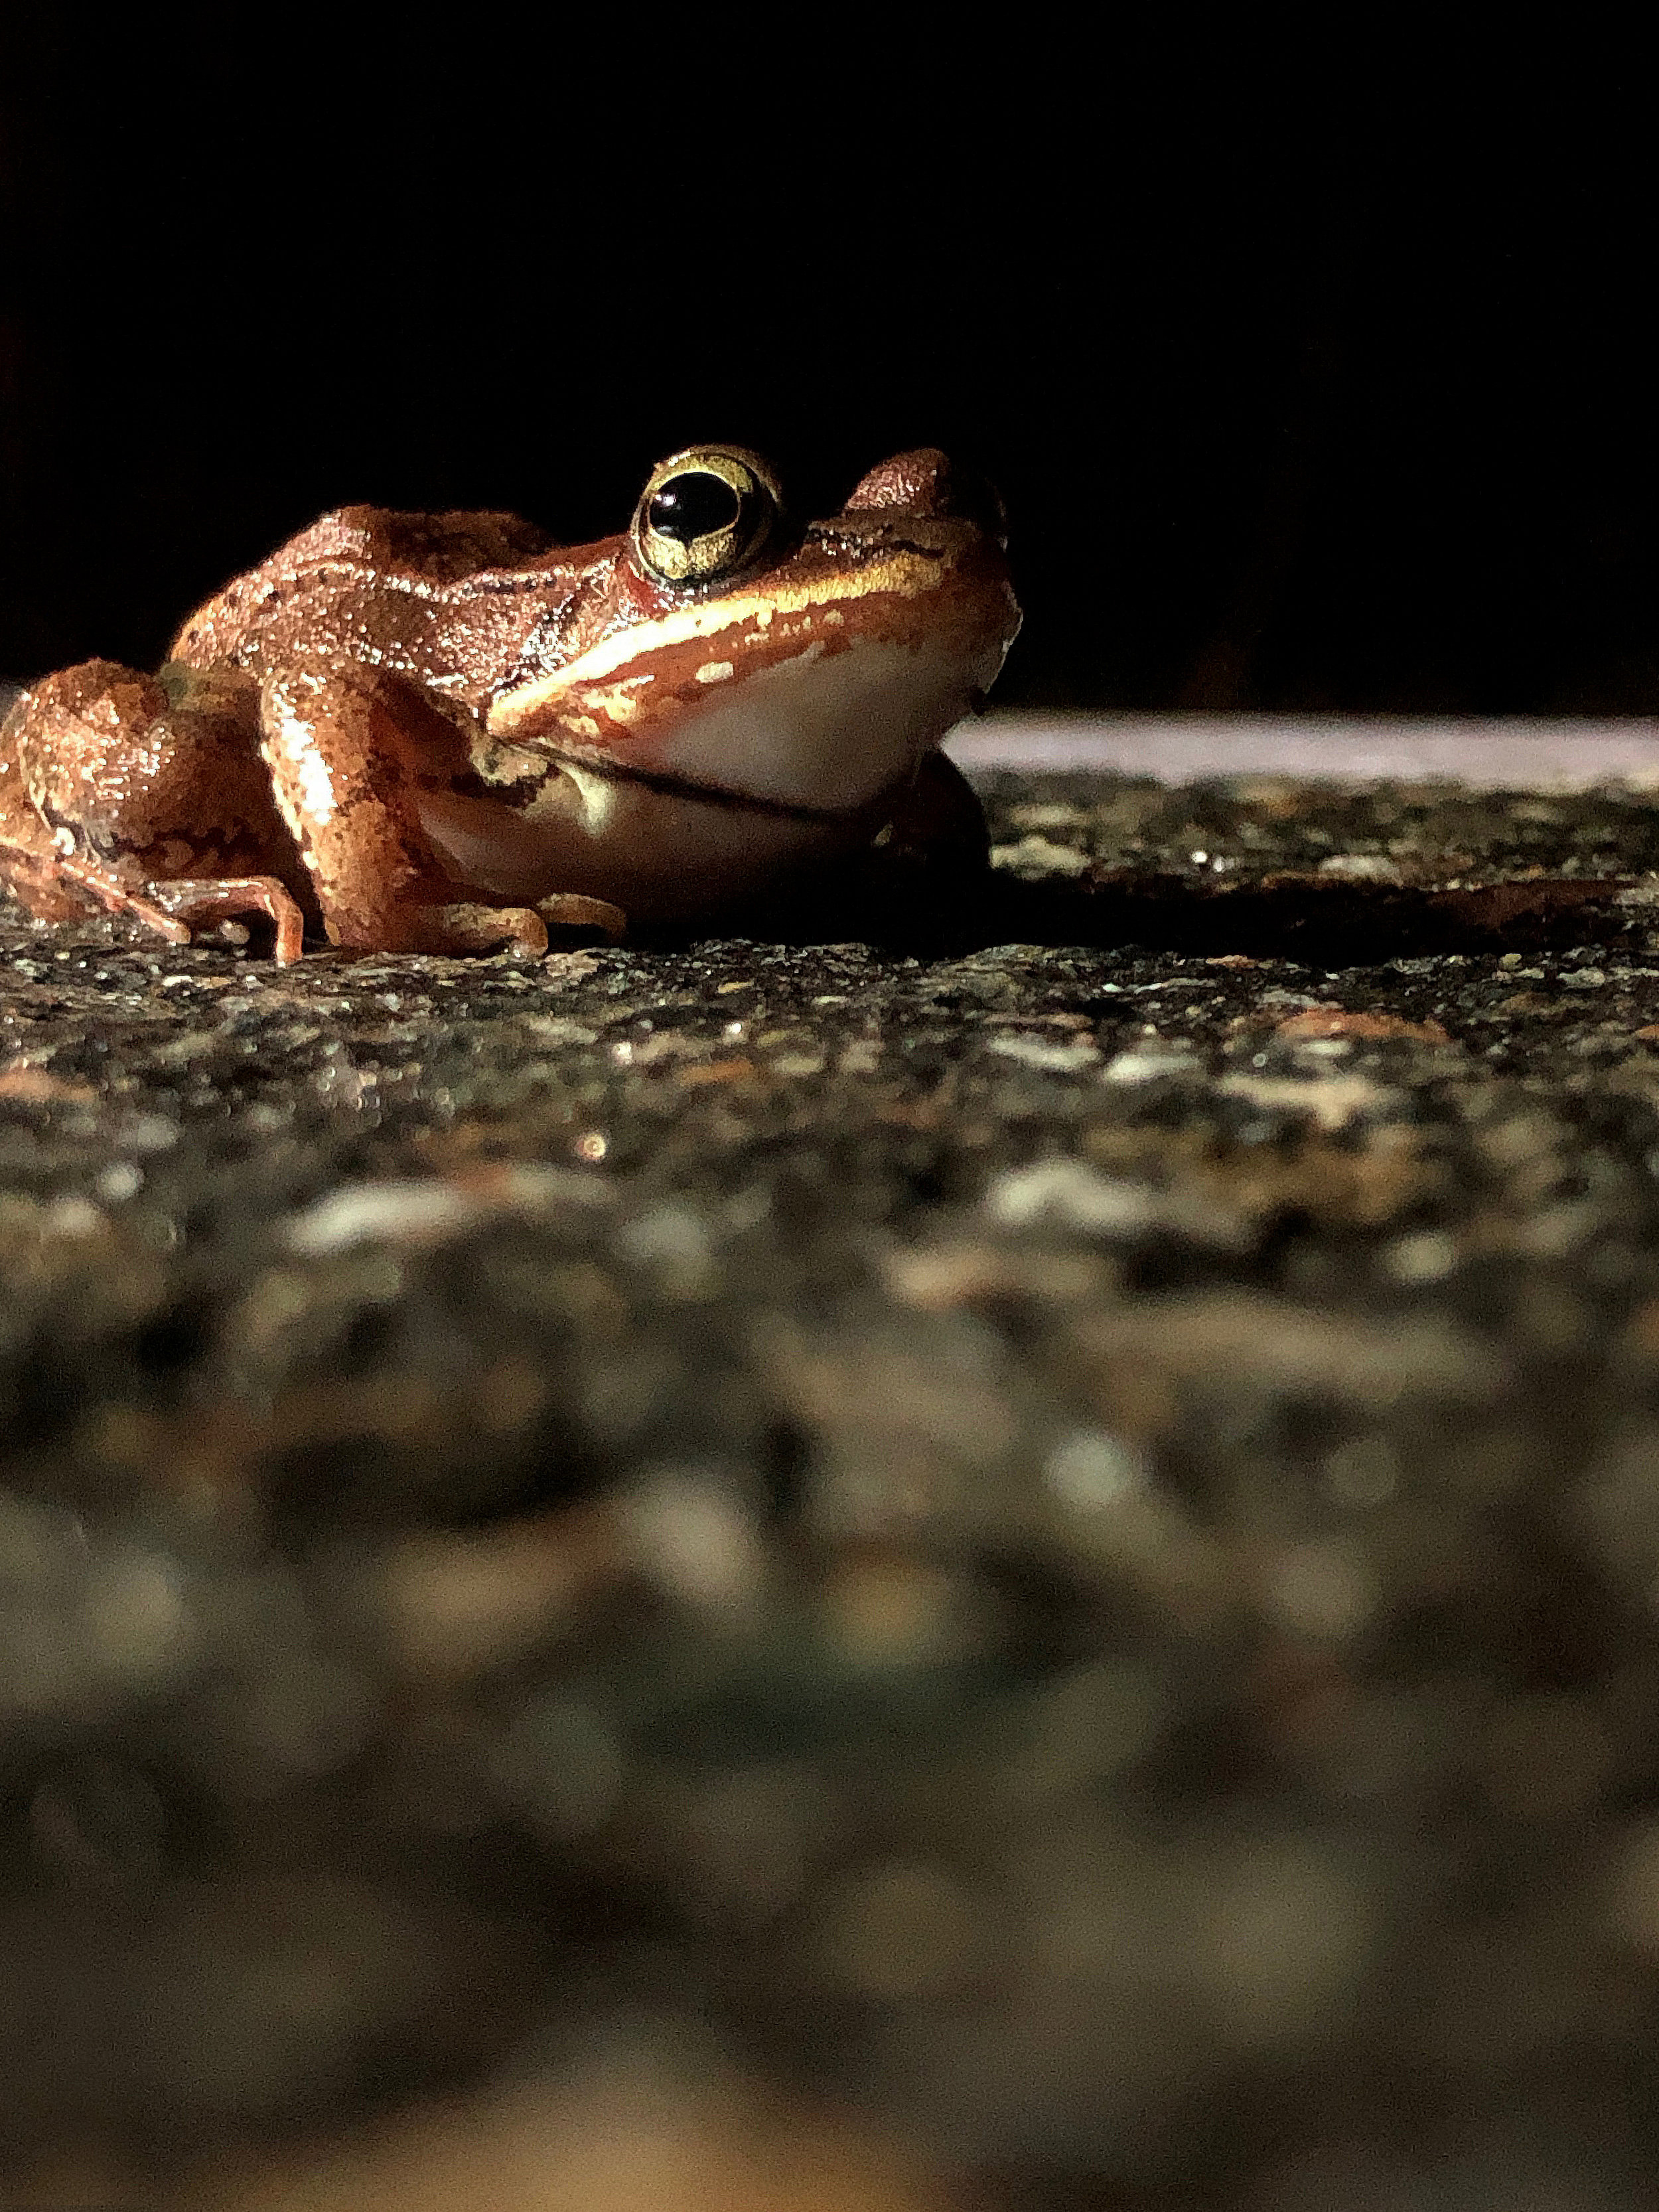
{"x": 1001, "y": 1538}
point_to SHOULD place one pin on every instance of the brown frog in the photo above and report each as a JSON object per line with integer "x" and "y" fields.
{"x": 437, "y": 732}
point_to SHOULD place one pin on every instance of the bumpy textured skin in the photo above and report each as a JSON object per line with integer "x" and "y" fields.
{"x": 437, "y": 732}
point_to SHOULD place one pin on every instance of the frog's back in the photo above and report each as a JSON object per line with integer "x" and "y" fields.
{"x": 360, "y": 582}
{"x": 440, "y": 548}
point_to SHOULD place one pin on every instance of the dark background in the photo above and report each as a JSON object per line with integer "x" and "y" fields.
{"x": 1336, "y": 398}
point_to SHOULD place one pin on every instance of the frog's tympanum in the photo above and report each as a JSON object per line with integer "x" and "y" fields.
{"x": 436, "y": 732}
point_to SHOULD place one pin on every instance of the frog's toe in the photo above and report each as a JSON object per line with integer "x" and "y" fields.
{"x": 466, "y": 927}
{"x": 571, "y": 910}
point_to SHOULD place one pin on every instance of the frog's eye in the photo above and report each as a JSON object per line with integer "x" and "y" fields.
{"x": 704, "y": 515}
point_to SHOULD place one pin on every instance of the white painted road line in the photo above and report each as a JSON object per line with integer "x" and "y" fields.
{"x": 1518, "y": 754}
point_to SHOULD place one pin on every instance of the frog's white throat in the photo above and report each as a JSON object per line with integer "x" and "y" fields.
{"x": 826, "y": 729}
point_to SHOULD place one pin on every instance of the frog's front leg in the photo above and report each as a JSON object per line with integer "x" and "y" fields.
{"x": 351, "y": 751}
{"x": 936, "y": 817}
{"x": 145, "y": 795}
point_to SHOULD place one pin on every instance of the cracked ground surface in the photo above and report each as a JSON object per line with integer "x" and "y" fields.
{"x": 1008, "y": 1561}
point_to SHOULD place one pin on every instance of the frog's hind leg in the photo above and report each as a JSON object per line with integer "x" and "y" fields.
{"x": 30, "y": 863}
{"x": 31, "y": 860}
{"x": 147, "y": 796}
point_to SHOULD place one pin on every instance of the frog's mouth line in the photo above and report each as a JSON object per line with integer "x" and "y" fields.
{"x": 611, "y": 771}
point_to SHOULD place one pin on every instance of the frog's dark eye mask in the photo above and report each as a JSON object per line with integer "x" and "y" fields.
{"x": 705, "y": 514}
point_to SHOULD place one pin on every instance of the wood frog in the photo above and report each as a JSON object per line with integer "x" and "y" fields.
{"x": 438, "y": 733}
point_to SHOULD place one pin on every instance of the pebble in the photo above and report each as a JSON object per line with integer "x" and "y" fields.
{"x": 384, "y": 1212}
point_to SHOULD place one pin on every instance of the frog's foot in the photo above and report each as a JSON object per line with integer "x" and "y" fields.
{"x": 199, "y": 901}
{"x": 571, "y": 910}
{"x": 175, "y": 909}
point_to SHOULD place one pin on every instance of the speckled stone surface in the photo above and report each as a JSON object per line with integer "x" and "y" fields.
{"x": 1039, "y": 1524}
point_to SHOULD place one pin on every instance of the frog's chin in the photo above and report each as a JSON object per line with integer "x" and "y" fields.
{"x": 829, "y": 731}
{"x": 825, "y": 729}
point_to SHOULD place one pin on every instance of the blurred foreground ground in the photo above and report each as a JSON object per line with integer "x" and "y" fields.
{"x": 1011, "y": 1566}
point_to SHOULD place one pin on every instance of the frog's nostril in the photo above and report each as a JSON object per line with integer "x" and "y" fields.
{"x": 976, "y": 499}
{"x": 928, "y": 482}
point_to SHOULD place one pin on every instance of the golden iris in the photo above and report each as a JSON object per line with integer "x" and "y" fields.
{"x": 705, "y": 513}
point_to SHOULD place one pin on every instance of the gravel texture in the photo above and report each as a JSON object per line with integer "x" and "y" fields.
{"x": 1036, "y": 1526}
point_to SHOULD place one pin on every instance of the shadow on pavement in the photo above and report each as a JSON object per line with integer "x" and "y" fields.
{"x": 1286, "y": 916}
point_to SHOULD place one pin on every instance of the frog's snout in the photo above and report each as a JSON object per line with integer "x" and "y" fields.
{"x": 928, "y": 482}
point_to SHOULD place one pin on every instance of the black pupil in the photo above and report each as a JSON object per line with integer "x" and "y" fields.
{"x": 693, "y": 506}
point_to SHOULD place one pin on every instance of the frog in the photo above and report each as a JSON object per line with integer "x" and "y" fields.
{"x": 445, "y": 733}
